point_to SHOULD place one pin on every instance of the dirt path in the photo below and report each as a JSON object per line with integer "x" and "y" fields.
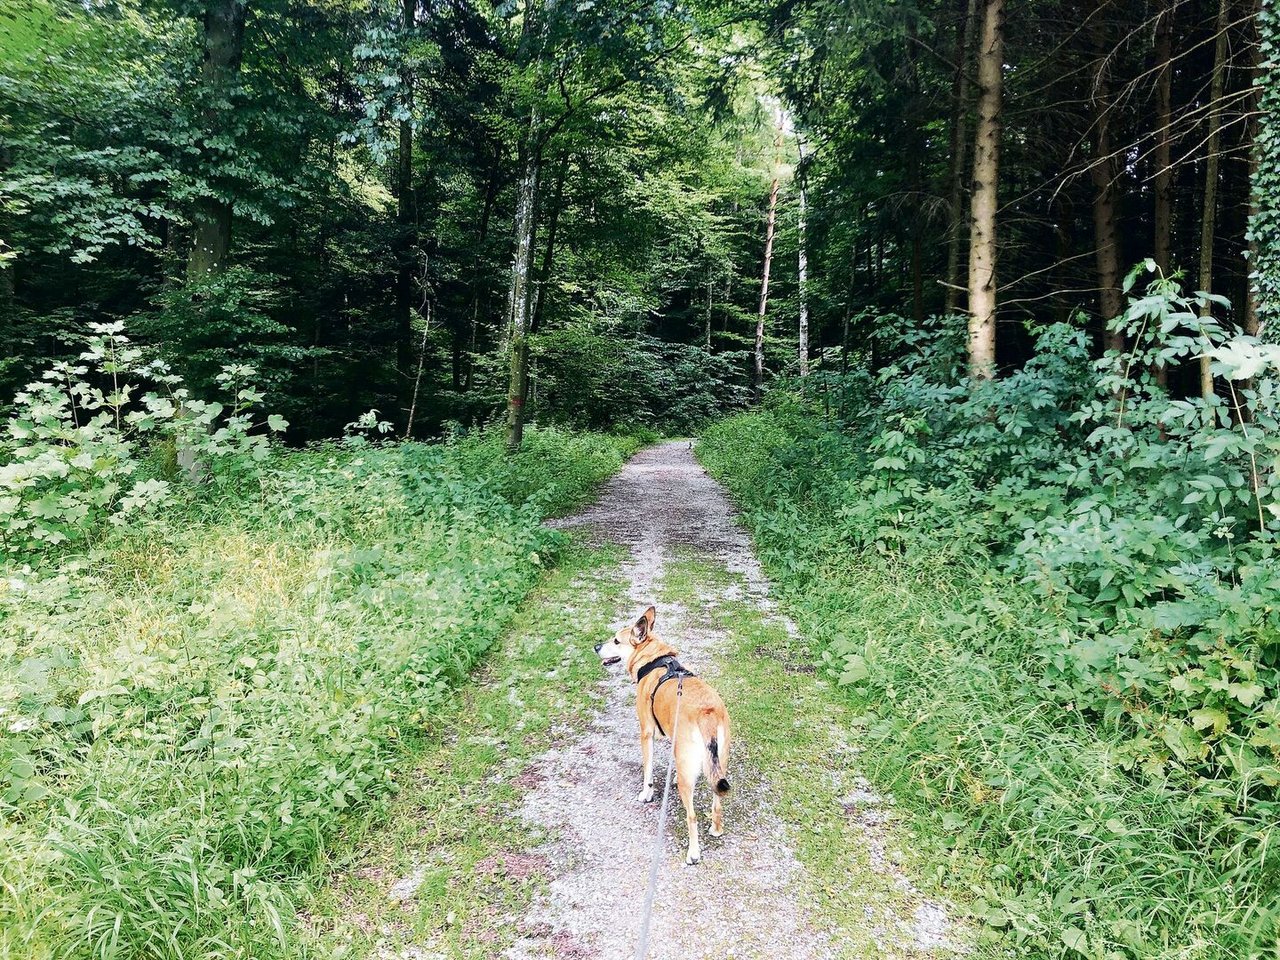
{"x": 748, "y": 897}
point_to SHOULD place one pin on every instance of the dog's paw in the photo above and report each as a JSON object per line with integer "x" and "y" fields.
{"x": 692, "y": 859}
{"x": 645, "y": 795}
{"x": 715, "y": 833}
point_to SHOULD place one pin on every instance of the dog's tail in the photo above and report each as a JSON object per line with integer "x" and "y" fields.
{"x": 715, "y": 734}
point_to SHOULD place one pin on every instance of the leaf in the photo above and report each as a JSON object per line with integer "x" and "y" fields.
{"x": 1210, "y": 717}
{"x": 91, "y": 695}
{"x": 1076, "y": 940}
{"x": 855, "y": 669}
{"x": 277, "y": 423}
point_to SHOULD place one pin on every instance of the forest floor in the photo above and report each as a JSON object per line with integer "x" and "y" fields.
{"x": 517, "y": 835}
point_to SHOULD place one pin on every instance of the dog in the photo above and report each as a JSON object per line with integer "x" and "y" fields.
{"x": 702, "y": 744}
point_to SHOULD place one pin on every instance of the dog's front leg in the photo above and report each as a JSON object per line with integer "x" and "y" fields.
{"x": 646, "y": 751}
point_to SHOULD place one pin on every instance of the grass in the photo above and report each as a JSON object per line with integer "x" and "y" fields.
{"x": 452, "y": 838}
{"x": 797, "y": 727}
{"x": 1035, "y": 816}
{"x": 192, "y": 711}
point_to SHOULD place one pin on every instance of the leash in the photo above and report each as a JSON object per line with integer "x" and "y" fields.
{"x": 642, "y": 947}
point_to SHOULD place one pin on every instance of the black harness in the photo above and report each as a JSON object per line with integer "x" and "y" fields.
{"x": 674, "y": 670}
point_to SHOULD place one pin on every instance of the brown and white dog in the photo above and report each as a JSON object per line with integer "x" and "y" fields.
{"x": 702, "y": 744}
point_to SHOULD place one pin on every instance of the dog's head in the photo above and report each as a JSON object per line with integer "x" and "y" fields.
{"x": 627, "y": 639}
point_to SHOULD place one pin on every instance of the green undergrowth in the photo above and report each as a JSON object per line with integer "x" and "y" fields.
{"x": 802, "y": 732}
{"x": 195, "y": 705}
{"x": 1031, "y": 809}
{"x": 446, "y": 869}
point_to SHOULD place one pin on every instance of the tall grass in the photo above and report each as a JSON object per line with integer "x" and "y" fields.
{"x": 190, "y": 712}
{"x": 1044, "y": 819}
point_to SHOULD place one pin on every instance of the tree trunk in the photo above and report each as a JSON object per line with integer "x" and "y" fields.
{"x": 959, "y": 155}
{"x": 519, "y": 299}
{"x": 757, "y": 382}
{"x": 965, "y": 27}
{"x": 549, "y": 254}
{"x": 803, "y": 268}
{"x": 1163, "y": 214}
{"x": 479, "y": 288}
{"x": 1249, "y": 315}
{"x": 710, "y": 283}
{"x": 1162, "y": 242}
{"x": 223, "y": 52}
{"x": 983, "y": 205}
{"x": 1212, "y": 163}
{"x": 7, "y": 285}
{"x": 1102, "y": 170}
{"x": 406, "y": 215}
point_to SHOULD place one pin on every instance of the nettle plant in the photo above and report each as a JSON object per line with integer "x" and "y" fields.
{"x": 86, "y": 444}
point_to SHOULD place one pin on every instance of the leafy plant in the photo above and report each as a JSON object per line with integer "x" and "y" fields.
{"x": 83, "y": 441}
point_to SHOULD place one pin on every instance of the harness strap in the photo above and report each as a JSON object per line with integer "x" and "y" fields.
{"x": 674, "y": 670}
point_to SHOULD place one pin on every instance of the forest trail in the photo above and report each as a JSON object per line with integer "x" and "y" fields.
{"x": 749, "y": 896}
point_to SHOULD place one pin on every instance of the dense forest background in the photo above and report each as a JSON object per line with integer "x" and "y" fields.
{"x": 971, "y": 307}
{"x": 365, "y": 201}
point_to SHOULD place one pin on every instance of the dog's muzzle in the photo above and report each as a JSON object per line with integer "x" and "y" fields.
{"x": 611, "y": 660}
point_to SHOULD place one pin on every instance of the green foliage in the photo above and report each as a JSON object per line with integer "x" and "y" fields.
{"x": 593, "y": 380}
{"x": 191, "y": 711}
{"x": 1264, "y": 219}
{"x": 87, "y": 444}
{"x": 1078, "y": 671}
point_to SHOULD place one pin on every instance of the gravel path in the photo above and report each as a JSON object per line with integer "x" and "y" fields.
{"x": 743, "y": 900}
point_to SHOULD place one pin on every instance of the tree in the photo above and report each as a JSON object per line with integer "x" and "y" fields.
{"x": 771, "y": 218}
{"x": 983, "y": 207}
{"x": 1103, "y": 172}
{"x": 1209, "y": 207}
{"x": 959, "y": 153}
{"x": 803, "y": 268}
{"x": 406, "y": 212}
{"x": 223, "y": 44}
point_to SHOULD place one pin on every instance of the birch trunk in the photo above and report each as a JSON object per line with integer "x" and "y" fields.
{"x": 983, "y": 205}
{"x": 757, "y": 383}
{"x": 519, "y": 299}
{"x": 1208, "y": 222}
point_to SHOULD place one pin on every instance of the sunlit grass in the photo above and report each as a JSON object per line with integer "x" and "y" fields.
{"x": 193, "y": 712}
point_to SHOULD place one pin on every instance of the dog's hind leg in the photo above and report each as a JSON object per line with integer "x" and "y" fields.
{"x": 646, "y": 751}
{"x": 717, "y": 815}
{"x": 688, "y": 766}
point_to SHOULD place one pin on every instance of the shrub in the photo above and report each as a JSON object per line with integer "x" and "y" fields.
{"x": 1086, "y": 686}
{"x": 82, "y": 444}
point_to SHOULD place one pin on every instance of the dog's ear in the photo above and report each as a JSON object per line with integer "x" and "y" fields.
{"x": 640, "y": 632}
